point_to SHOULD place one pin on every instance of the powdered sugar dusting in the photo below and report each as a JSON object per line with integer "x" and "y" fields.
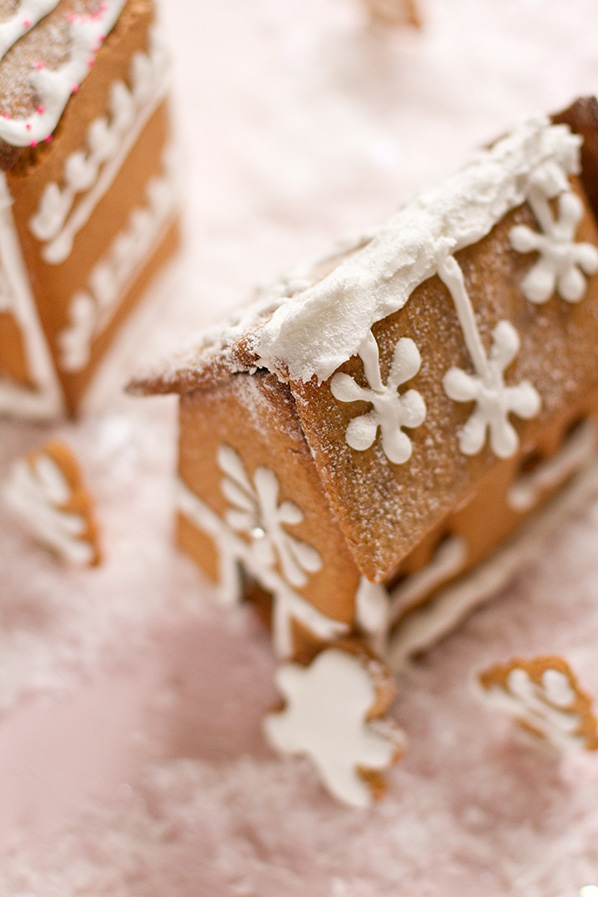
{"x": 355, "y": 120}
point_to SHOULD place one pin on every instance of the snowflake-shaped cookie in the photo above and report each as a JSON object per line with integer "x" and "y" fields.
{"x": 563, "y": 262}
{"x": 544, "y": 696}
{"x": 494, "y": 399}
{"x": 326, "y": 719}
{"x": 391, "y": 411}
{"x": 256, "y": 513}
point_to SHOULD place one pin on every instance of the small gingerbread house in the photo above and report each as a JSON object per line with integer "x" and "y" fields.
{"x": 366, "y": 435}
{"x": 87, "y": 188}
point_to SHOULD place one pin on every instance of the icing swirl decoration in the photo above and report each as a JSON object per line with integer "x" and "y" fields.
{"x": 563, "y": 262}
{"x": 256, "y": 512}
{"x": 391, "y": 411}
{"x": 494, "y": 400}
{"x": 54, "y": 87}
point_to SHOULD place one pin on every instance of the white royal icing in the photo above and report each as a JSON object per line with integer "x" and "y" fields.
{"x": 44, "y": 399}
{"x": 391, "y": 410}
{"x": 54, "y": 87}
{"x": 547, "y": 707}
{"x": 315, "y": 331}
{"x": 35, "y": 493}
{"x": 563, "y": 262}
{"x": 27, "y": 14}
{"x": 494, "y": 400}
{"x": 448, "y": 559}
{"x": 91, "y": 310}
{"x": 372, "y": 613}
{"x": 325, "y": 720}
{"x": 288, "y": 604}
{"x": 578, "y": 450}
{"x": 110, "y": 139}
{"x": 256, "y": 512}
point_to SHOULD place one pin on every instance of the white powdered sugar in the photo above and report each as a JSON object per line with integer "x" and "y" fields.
{"x": 320, "y": 328}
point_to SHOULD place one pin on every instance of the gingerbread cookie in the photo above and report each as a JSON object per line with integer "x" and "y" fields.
{"x": 45, "y": 490}
{"x": 333, "y": 716}
{"x": 89, "y": 198}
{"x": 544, "y": 696}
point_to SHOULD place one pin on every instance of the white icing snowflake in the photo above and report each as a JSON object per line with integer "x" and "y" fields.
{"x": 494, "y": 399}
{"x": 325, "y": 720}
{"x": 392, "y": 411}
{"x": 548, "y": 708}
{"x": 37, "y": 492}
{"x": 563, "y": 262}
{"x": 257, "y": 513}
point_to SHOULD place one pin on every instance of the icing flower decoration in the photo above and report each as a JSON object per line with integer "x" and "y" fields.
{"x": 494, "y": 399}
{"x": 391, "y": 410}
{"x": 563, "y": 262}
{"x": 256, "y": 512}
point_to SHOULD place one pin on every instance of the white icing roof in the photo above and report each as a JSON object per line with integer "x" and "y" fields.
{"x": 316, "y": 330}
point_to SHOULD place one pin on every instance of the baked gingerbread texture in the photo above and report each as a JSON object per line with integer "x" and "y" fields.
{"x": 358, "y": 444}
{"x": 87, "y": 189}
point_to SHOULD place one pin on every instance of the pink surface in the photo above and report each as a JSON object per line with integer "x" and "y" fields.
{"x": 130, "y": 707}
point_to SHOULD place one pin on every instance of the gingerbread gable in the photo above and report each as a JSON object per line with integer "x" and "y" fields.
{"x": 460, "y": 339}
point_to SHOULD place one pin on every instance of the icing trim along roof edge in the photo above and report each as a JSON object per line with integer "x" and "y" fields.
{"x": 315, "y": 331}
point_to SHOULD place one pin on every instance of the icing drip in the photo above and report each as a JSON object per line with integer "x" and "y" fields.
{"x": 372, "y": 613}
{"x": 563, "y": 262}
{"x": 577, "y": 451}
{"x": 257, "y": 513}
{"x": 391, "y": 411}
{"x": 326, "y": 720}
{"x": 55, "y": 86}
{"x": 27, "y": 14}
{"x": 109, "y": 141}
{"x": 315, "y": 331}
{"x": 91, "y": 310}
{"x": 494, "y": 399}
{"x": 37, "y": 492}
{"x": 288, "y": 604}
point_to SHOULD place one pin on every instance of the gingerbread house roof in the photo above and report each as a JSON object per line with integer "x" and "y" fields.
{"x": 309, "y": 323}
{"x": 47, "y": 48}
{"x": 452, "y": 292}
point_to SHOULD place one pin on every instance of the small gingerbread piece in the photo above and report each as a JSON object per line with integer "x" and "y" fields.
{"x": 394, "y": 12}
{"x": 544, "y": 696}
{"x": 45, "y": 490}
{"x": 333, "y": 716}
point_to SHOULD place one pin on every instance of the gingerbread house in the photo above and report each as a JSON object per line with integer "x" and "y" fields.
{"x": 364, "y": 437}
{"x": 87, "y": 188}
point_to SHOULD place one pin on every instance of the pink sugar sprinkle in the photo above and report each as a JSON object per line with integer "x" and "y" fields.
{"x": 75, "y": 88}
{"x": 33, "y": 143}
{"x": 26, "y": 24}
{"x": 39, "y": 65}
{"x": 41, "y": 110}
{"x": 28, "y": 126}
{"x": 48, "y": 139}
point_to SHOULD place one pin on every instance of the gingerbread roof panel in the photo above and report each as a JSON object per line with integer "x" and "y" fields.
{"x": 47, "y": 49}
{"x": 450, "y": 386}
